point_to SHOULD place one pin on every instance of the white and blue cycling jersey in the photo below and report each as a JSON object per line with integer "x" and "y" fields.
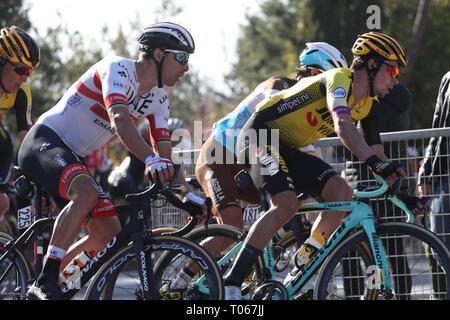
{"x": 226, "y": 130}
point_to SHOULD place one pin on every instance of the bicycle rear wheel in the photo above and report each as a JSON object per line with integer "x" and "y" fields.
{"x": 419, "y": 266}
{"x": 118, "y": 279}
{"x": 14, "y": 274}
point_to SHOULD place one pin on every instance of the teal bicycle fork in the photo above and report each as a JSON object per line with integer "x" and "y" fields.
{"x": 361, "y": 216}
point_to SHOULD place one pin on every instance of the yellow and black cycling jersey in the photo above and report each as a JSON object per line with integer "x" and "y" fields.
{"x": 21, "y": 103}
{"x": 303, "y": 113}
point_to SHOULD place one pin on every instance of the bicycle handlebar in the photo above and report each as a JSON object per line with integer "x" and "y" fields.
{"x": 374, "y": 193}
{"x": 169, "y": 191}
{"x": 392, "y": 196}
{"x": 7, "y": 188}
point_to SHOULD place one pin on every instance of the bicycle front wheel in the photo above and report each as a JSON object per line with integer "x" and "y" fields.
{"x": 419, "y": 266}
{"x": 14, "y": 273}
{"x": 119, "y": 279}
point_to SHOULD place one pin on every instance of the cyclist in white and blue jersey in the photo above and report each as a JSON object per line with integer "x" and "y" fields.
{"x": 216, "y": 165}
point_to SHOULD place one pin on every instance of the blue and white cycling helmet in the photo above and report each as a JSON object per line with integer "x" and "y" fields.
{"x": 322, "y": 56}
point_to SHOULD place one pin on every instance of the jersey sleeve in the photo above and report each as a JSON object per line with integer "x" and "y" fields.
{"x": 338, "y": 91}
{"x": 158, "y": 120}
{"x": 159, "y": 133}
{"x": 112, "y": 82}
{"x": 371, "y": 125}
{"x": 22, "y": 107}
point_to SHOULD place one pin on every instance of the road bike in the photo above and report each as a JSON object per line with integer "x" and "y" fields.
{"x": 134, "y": 251}
{"x": 357, "y": 262}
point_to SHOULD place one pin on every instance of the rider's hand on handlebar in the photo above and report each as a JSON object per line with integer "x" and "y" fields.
{"x": 418, "y": 208}
{"x": 159, "y": 167}
{"x": 191, "y": 197}
{"x": 413, "y": 203}
{"x": 389, "y": 171}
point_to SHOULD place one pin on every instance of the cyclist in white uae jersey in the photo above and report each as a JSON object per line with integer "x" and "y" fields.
{"x": 110, "y": 82}
{"x": 105, "y": 101}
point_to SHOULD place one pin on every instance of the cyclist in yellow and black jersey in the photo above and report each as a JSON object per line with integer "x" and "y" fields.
{"x": 20, "y": 102}
{"x": 267, "y": 146}
{"x": 302, "y": 113}
{"x": 19, "y": 54}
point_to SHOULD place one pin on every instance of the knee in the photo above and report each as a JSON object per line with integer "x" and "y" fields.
{"x": 104, "y": 229}
{"x": 337, "y": 189}
{"x": 86, "y": 191}
{"x": 231, "y": 216}
{"x": 110, "y": 232}
{"x": 286, "y": 202}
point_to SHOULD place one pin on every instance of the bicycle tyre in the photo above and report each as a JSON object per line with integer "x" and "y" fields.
{"x": 255, "y": 275}
{"x": 14, "y": 274}
{"x": 412, "y": 280}
{"x": 6, "y": 235}
{"x": 283, "y": 251}
{"x": 157, "y": 231}
{"x": 118, "y": 278}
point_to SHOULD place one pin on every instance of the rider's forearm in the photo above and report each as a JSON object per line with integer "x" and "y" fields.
{"x": 378, "y": 149}
{"x": 165, "y": 150}
{"x": 351, "y": 137}
{"x": 128, "y": 134}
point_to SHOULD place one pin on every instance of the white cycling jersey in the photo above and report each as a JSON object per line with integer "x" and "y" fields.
{"x": 80, "y": 118}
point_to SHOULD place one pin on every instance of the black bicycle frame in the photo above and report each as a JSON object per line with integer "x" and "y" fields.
{"x": 35, "y": 230}
{"x": 132, "y": 231}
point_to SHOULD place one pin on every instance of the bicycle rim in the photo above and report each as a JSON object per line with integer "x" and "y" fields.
{"x": 254, "y": 276}
{"x": 118, "y": 279}
{"x": 14, "y": 275}
{"x": 419, "y": 266}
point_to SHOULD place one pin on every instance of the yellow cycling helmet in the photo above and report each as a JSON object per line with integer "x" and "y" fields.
{"x": 17, "y": 46}
{"x": 381, "y": 44}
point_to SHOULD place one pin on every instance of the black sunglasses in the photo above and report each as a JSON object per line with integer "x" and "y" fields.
{"x": 180, "y": 56}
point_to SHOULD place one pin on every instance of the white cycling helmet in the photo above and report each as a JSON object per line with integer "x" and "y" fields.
{"x": 322, "y": 56}
{"x": 166, "y": 35}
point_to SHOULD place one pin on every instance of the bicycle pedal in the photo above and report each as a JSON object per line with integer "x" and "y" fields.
{"x": 193, "y": 293}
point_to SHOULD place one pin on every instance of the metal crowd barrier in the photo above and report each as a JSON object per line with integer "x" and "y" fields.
{"x": 415, "y": 276}
{"x": 407, "y": 147}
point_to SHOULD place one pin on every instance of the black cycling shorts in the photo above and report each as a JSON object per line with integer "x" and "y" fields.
{"x": 275, "y": 167}
{"x": 48, "y": 161}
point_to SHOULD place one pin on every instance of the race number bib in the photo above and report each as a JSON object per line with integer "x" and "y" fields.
{"x": 251, "y": 213}
{"x": 24, "y": 217}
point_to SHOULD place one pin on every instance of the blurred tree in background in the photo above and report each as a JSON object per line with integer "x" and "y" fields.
{"x": 271, "y": 41}
{"x": 14, "y": 12}
{"x": 66, "y": 55}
